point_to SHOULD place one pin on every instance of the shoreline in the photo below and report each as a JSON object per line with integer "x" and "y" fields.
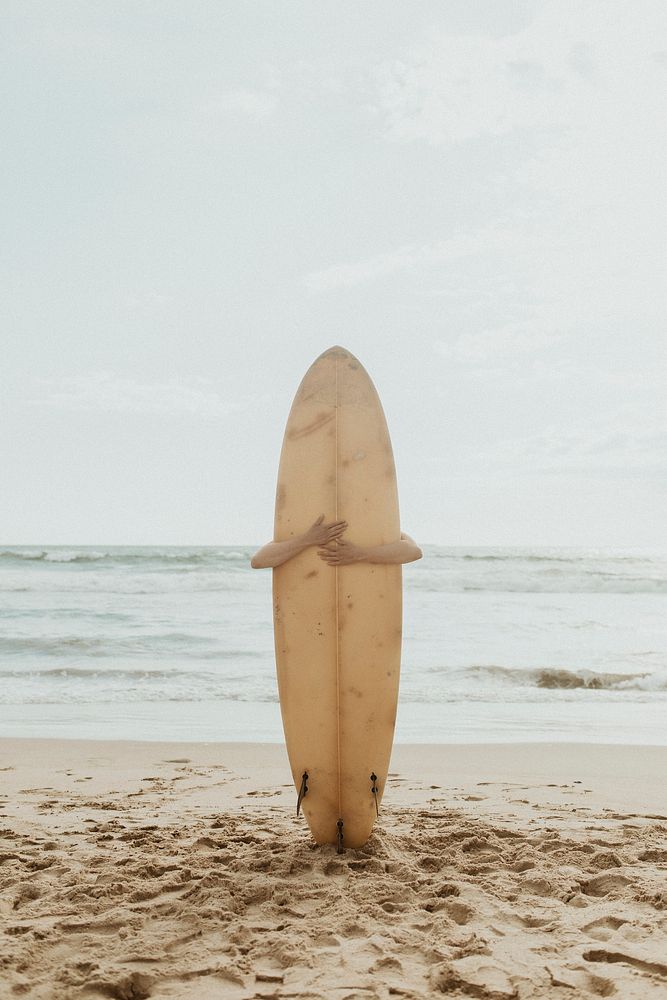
{"x": 142, "y": 869}
{"x": 626, "y": 775}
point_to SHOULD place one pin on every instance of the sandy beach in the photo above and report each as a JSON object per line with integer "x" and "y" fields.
{"x": 149, "y": 869}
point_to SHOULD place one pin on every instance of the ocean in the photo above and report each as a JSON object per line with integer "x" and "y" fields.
{"x": 176, "y": 643}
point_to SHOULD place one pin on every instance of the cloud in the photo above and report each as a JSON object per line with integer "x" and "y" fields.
{"x": 409, "y": 259}
{"x": 510, "y": 341}
{"x": 617, "y": 446}
{"x": 561, "y": 126}
{"x": 111, "y": 393}
{"x": 555, "y": 73}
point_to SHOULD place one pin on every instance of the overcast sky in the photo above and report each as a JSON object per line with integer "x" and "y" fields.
{"x": 200, "y": 197}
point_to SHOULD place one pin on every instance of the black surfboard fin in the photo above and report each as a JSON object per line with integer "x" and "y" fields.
{"x": 339, "y": 837}
{"x": 302, "y": 791}
{"x": 374, "y": 791}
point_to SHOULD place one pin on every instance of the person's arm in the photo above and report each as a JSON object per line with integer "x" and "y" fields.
{"x": 275, "y": 553}
{"x": 342, "y": 552}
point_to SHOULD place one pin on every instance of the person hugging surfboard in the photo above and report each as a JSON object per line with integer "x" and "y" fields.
{"x": 337, "y": 599}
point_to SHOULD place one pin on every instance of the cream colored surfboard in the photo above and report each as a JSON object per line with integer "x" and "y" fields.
{"x": 338, "y": 629}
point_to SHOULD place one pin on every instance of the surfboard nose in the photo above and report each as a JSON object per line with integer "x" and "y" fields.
{"x": 334, "y": 352}
{"x": 338, "y": 355}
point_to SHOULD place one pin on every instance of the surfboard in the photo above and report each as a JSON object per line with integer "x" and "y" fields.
{"x": 338, "y": 630}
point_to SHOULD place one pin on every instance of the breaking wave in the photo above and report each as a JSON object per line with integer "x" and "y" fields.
{"x": 182, "y": 645}
{"x": 124, "y": 556}
{"x": 566, "y": 679}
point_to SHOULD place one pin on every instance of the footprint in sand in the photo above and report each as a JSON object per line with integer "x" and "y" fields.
{"x": 603, "y": 928}
{"x": 539, "y": 887}
{"x": 477, "y": 844}
{"x": 605, "y": 885}
{"x": 533, "y": 922}
{"x": 522, "y": 866}
{"x": 601, "y": 955}
{"x": 654, "y": 855}
{"x": 605, "y": 859}
{"x": 460, "y": 913}
{"x": 581, "y": 981}
{"x": 385, "y": 965}
{"x": 136, "y": 985}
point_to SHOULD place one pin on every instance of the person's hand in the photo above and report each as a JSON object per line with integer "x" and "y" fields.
{"x": 342, "y": 553}
{"x": 322, "y": 534}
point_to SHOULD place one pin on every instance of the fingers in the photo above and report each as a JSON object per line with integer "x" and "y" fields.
{"x": 329, "y": 555}
{"x": 334, "y": 544}
{"x": 342, "y": 523}
{"x": 332, "y": 532}
{"x": 328, "y": 534}
{"x": 335, "y": 557}
{"x": 336, "y": 532}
